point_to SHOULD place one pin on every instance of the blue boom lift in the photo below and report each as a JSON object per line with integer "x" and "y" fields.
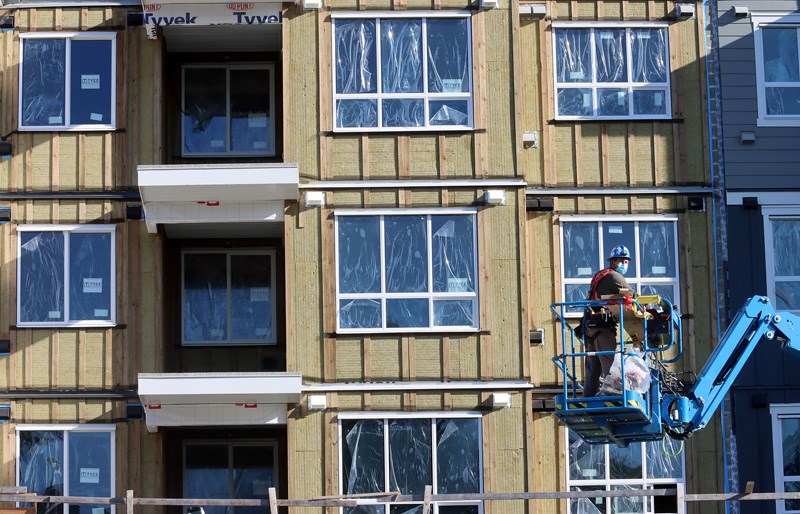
{"x": 676, "y": 403}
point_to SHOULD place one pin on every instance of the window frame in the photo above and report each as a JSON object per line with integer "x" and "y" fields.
{"x": 635, "y": 219}
{"x": 432, "y": 417}
{"x": 68, "y": 429}
{"x": 628, "y": 85}
{"x": 430, "y": 294}
{"x": 271, "y": 145}
{"x": 777, "y": 412}
{"x": 230, "y": 444}
{"x": 769, "y": 214}
{"x": 425, "y": 95}
{"x": 271, "y": 254}
{"x": 69, "y": 37}
{"x": 67, "y": 230}
{"x": 771, "y": 20}
{"x": 611, "y": 483}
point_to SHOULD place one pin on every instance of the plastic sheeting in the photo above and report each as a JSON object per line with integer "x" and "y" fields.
{"x": 41, "y": 292}
{"x": 411, "y": 456}
{"x": 43, "y": 80}
{"x": 406, "y": 270}
{"x": 599, "y": 57}
{"x": 208, "y": 306}
{"x": 785, "y": 248}
{"x": 402, "y": 48}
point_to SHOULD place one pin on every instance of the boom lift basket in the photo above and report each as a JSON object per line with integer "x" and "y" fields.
{"x": 648, "y": 327}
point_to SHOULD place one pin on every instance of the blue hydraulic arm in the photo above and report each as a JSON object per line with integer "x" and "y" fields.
{"x": 687, "y": 412}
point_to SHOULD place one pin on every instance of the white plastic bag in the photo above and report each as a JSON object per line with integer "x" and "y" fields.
{"x": 637, "y": 376}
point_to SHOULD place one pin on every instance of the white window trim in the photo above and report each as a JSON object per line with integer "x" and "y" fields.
{"x": 768, "y": 214}
{"x": 428, "y": 294}
{"x": 271, "y": 152}
{"x": 611, "y": 483}
{"x": 67, "y": 429}
{"x": 599, "y": 221}
{"x": 69, "y": 36}
{"x": 629, "y": 85}
{"x": 110, "y": 229}
{"x": 761, "y": 19}
{"x": 386, "y": 417}
{"x": 778, "y": 412}
{"x": 425, "y": 95}
{"x": 268, "y": 253}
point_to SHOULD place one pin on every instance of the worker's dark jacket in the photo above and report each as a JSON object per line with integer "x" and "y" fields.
{"x": 612, "y": 283}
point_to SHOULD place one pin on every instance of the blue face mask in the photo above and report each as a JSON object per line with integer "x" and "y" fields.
{"x": 622, "y": 268}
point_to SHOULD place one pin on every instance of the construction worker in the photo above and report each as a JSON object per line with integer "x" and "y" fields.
{"x": 600, "y": 330}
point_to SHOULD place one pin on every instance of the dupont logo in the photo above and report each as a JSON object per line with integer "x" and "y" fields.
{"x": 152, "y": 7}
{"x": 241, "y": 6}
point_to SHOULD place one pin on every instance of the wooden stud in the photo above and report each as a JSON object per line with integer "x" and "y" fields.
{"x": 58, "y": 19}
{"x": 55, "y": 161}
{"x": 158, "y": 96}
{"x": 27, "y": 360}
{"x": 548, "y": 88}
{"x": 29, "y": 162}
{"x": 630, "y": 141}
{"x": 484, "y": 272}
{"x": 81, "y": 360}
{"x": 365, "y": 168}
{"x": 158, "y": 299}
{"x": 605, "y": 171}
{"x": 518, "y": 87}
{"x": 600, "y": 9}
{"x": 651, "y": 9}
{"x": 325, "y": 98}
{"x": 55, "y": 360}
{"x": 85, "y": 20}
{"x": 404, "y": 167}
{"x": 480, "y": 138}
{"x": 578, "y": 135}
{"x": 121, "y": 336}
{"x": 367, "y": 371}
{"x": 573, "y": 9}
{"x": 292, "y": 210}
{"x": 328, "y": 270}
{"x": 81, "y": 162}
{"x": 446, "y": 358}
{"x": 135, "y": 288}
{"x": 524, "y": 292}
{"x": 108, "y": 163}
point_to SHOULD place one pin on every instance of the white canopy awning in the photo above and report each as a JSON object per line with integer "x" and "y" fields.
{"x": 216, "y": 193}
{"x": 213, "y": 399}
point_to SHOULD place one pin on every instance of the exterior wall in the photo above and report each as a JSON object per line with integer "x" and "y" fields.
{"x": 620, "y": 154}
{"x": 496, "y": 352}
{"x": 767, "y": 163}
{"x": 83, "y": 359}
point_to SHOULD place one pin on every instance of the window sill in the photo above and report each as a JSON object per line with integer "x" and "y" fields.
{"x": 667, "y": 119}
{"x": 72, "y": 324}
{"x": 79, "y": 128}
{"x": 401, "y": 131}
{"x": 217, "y": 344}
{"x": 779, "y": 122}
{"x": 408, "y": 330}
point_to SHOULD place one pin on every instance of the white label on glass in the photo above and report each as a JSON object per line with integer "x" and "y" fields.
{"x": 457, "y": 285}
{"x": 96, "y": 116}
{"x": 606, "y": 35}
{"x": 587, "y": 100}
{"x": 217, "y": 143}
{"x": 659, "y": 270}
{"x": 258, "y": 120}
{"x": 620, "y": 98}
{"x": 259, "y": 294}
{"x": 451, "y": 85}
{"x": 584, "y": 271}
{"x": 54, "y": 120}
{"x": 54, "y": 314}
{"x": 98, "y": 510}
{"x": 90, "y": 475}
{"x": 576, "y": 75}
{"x": 215, "y": 332}
{"x": 261, "y": 332}
{"x": 101, "y": 313}
{"x": 90, "y": 81}
{"x": 259, "y": 145}
{"x": 643, "y": 35}
{"x": 658, "y": 99}
{"x": 589, "y": 472}
{"x": 92, "y": 285}
{"x": 615, "y": 229}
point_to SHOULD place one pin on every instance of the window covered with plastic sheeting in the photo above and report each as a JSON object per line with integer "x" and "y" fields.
{"x": 782, "y": 237}
{"x": 610, "y": 72}
{"x": 406, "y": 454}
{"x": 65, "y": 275}
{"x": 400, "y": 272}
{"x": 228, "y": 110}
{"x": 598, "y": 467}
{"x": 402, "y": 72}
{"x": 78, "y": 461}
{"x": 586, "y": 243}
{"x": 228, "y": 297}
{"x": 67, "y": 81}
